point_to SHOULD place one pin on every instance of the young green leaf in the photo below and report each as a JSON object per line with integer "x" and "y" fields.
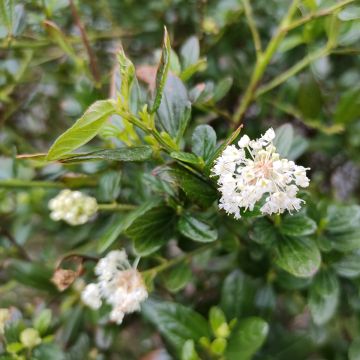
{"x": 188, "y": 351}
{"x": 324, "y": 296}
{"x": 83, "y": 130}
{"x": 222, "y": 88}
{"x": 7, "y": 13}
{"x": 185, "y": 157}
{"x": 43, "y": 321}
{"x": 127, "y": 75}
{"x": 177, "y": 323}
{"x": 299, "y": 256}
{"x": 218, "y": 323}
{"x": 247, "y": 339}
{"x": 196, "y": 229}
{"x": 162, "y": 71}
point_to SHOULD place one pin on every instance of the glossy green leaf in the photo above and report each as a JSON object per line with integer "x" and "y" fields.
{"x": 343, "y": 227}
{"x": 177, "y": 277}
{"x": 264, "y": 232}
{"x": 299, "y": 256}
{"x": 132, "y": 153}
{"x": 177, "y": 323}
{"x": 218, "y": 323}
{"x": 222, "y": 88}
{"x": 86, "y": 128}
{"x": 32, "y": 274}
{"x": 194, "y": 187}
{"x": 120, "y": 223}
{"x": 297, "y": 225}
{"x": 162, "y": 71}
{"x": 247, "y": 339}
{"x": 203, "y": 141}
{"x": 152, "y": 230}
{"x": 237, "y": 295}
{"x": 196, "y": 229}
{"x": 185, "y": 157}
{"x": 173, "y": 112}
{"x": 324, "y": 296}
{"x": 283, "y": 139}
{"x": 349, "y": 265}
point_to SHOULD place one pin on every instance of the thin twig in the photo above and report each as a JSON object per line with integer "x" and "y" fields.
{"x": 13, "y": 241}
{"x": 252, "y": 26}
{"x": 92, "y": 59}
{"x": 116, "y": 207}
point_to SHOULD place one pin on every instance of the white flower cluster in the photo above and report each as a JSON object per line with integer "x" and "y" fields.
{"x": 73, "y": 207}
{"x": 254, "y": 171}
{"x": 119, "y": 285}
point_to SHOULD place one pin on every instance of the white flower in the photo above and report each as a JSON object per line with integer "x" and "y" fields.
{"x": 73, "y": 207}
{"x": 119, "y": 284}
{"x": 255, "y": 172}
{"x": 91, "y": 296}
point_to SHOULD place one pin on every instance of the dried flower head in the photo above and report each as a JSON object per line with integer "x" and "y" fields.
{"x": 119, "y": 285}
{"x": 253, "y": 171}
{"x": 73, "y": 207}
{"x": 63, "y": 278}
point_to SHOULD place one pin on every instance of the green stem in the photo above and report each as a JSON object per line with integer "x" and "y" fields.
{"x": 252, "y": 25}
{"x": 157, "y": 269}
{"x": 18, "y": 183}
{"x": 116, "y": 207}
{"x": 306, "y": 61}
{"x": 262, "y": 63}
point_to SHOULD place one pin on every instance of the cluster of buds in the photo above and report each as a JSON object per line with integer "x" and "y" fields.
{"x": 252, "y": 172}
{"x": 73, "y": 207}
{"x": 118, "y": 284}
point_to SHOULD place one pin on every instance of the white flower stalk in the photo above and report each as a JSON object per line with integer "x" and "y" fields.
{"x": 73, "y": 207}
{"x": 119, "y": 285}
{"x": 254, "y": 171}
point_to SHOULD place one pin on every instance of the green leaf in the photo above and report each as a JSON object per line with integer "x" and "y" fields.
{"x": 196, "y": 229}
{"x": 109, "y": 186}
{"x": 222, "y": 88}
{"x": 14, "y": 347}
{"x": 60, "y": 39}
{"x": 194, "y": 187}
{"x": 297, "y": 225}
{"x": 7, "y": 13}
{"x": 348, "y": 107}
{"x": 247, "y": 339}
{"x": 350, "y": 13}
{"x": 283, "y": 139}
{"x": 174, "y": 110}
{"x": 162, "y": 71}
{"x": 32, "y": 274}
{"x": 42, "y": 321}
{"x": 177, "y": 277}
{"x": 132, "y": 153}
{"x": 349, "y": 265}
{"x": 190, "y": 52}
{"x": 152, "y": 230}
{"x": 73, "y": 321}
{"x": 237, "y": 295}
{"x": 343, "y": 227}
{"x": 298, "y": 256}
{"x": 175, "y": 66}
{"x": 188, "y": 351}
{"x": 186, "y": 157}
{"x": 310, "y": 100}
{"x": 177, "y": 323}
{"x": 203, "y": 141}
{"x": 264, "y": 232}
{"x": 83, "y": 130}
{"x": 324, "y": 296}
{"x": 48, "y": 351}
{"x": 218, "y": 322}
{"x": 127, "y": 75}
{"x": 121, "y": 223}
{"x": 354, "y": 350}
